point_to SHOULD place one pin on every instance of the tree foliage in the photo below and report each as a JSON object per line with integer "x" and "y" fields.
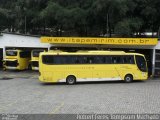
{"x": 80, "y": 18}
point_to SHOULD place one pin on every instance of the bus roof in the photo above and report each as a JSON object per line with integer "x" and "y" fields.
{"x": 89, "y": 53}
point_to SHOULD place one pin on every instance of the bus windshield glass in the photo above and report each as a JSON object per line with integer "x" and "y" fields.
{"x": 36, "y": 53}
{"x": 141, "y": 63}
{"x": 11, "y": 53}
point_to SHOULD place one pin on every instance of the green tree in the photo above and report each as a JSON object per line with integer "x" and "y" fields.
{"x": 80, "y": 18}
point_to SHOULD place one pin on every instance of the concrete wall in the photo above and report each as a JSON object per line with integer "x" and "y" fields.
{"x": 1, "y": 57}
{"x": 155, "y": 61}
{"x": 13, "y": 40}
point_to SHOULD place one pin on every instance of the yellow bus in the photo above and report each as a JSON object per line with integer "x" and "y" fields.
{"x": 35, "y": 58}
{"x": 71, "y": 67}
{"x": 17, "y": 59}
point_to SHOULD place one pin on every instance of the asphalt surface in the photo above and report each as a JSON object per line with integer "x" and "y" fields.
{"x": 23, "y": 93}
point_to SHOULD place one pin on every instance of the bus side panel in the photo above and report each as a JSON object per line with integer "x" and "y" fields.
{"x": 59, "y": 73}
{"x": 51, "y": 73}
{"x": 81, "y": 72}
{"x": 139, "y": 75}
{"x": 92, "y": 72}
{"x": 124, "y": 69}
{"x": 105, "y": 72}
{"x": 46, "y": 73}
{"x": 130, "y": 69}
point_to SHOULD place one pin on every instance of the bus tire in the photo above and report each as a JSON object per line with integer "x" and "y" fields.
{"x": 128, "y": 78}
{"x": 71, "y": 80}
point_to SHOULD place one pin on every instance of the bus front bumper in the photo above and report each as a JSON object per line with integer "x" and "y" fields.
{"x": 35, "y": 68}
{"x": 11, "y": 68}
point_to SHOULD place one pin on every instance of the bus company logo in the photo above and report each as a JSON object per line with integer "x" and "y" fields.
{"x": 119, "y": 41}
{"x": 109, "y": 41}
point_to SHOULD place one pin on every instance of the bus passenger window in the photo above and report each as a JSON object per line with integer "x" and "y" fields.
{"x": 108, "y": 59}
{"x": 128, "y": 60}
{"x": 84, "y": 60}
{"x": 114, "y": 60}
{"x": 48, "y": 59}
{"x": 77, "y": 61}
{"x": 90, "y": 60}
{"x": 99, "y": 60}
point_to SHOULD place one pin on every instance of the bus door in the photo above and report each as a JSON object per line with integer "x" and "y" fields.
{"x": 123, "y": 65}
{"x": 103, "y": 69}
{"x": 117, "y": 66}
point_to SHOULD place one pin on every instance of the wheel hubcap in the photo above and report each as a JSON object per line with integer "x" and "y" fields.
{"x": 71, "y": 80}
{"x": 128, "y": 79}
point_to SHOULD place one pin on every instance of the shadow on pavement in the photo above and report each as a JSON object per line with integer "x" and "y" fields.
{"x": 6, "y": 78}
{"x": 97, "y": 82}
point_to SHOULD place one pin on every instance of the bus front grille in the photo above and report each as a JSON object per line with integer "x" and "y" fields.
{"x": 35, "y": 64}
{"x": 11, "y": 63}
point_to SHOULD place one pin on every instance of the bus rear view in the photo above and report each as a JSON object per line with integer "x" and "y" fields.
{"x": 35, "y": 58}
{"x": 16, "y": 59}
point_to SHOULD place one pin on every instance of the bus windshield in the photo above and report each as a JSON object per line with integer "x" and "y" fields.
{"x": 11, "y": 53}
{"x": 36, "y": 53}
{"x": 141, "y": 63}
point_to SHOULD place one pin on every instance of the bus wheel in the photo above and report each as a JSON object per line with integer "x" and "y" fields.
{"x": 71, "y": 80}
{"x": 128, "y": 78}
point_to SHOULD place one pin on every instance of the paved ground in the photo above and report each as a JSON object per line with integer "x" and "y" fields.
{"x": 18, "y": 74}
{"x": 25, "y": 94}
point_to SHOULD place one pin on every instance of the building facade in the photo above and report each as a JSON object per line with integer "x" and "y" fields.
{"x": 150, "y": 47}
